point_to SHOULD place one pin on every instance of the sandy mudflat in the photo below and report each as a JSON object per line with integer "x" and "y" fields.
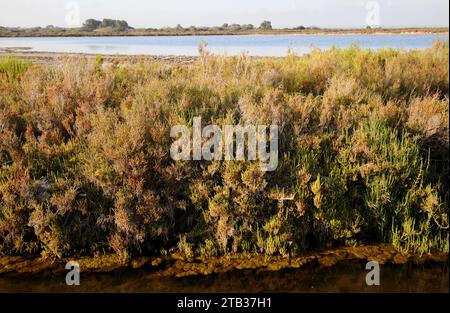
{"x": 54, "y": 57}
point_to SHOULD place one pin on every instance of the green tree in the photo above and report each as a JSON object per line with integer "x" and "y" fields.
{"x": 247, "y": 26}
{"x": 120, "y": 25}
{"x": 107, "y": 23}
{"x": 91, "y": 24}
{"x": 266, "y": 25}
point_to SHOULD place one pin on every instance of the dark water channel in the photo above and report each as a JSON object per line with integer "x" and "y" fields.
{"x": 343, "y": 277}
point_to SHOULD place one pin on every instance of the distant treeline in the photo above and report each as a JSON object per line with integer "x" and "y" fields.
{"x": 121, "y": 25}
{"x": 112, "y": 27}
{"x": 265, "y": 25}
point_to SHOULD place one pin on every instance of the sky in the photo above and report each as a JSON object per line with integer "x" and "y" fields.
{"x": 282, "y": 13}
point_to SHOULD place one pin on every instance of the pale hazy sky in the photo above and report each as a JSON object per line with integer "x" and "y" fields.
{"x": 282, "y": 13}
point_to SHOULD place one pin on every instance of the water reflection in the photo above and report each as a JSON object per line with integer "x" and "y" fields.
{"x": 344, "y": 277}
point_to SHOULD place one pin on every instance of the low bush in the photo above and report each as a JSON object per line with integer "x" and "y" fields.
{"x": 85, "y": 162}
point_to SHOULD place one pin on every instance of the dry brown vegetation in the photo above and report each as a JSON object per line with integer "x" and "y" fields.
{"x": 85, "y": 166}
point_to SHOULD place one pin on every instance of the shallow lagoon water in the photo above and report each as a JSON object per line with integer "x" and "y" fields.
{"x": 255, "y": 45}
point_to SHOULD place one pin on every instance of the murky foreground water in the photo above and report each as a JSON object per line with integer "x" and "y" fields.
{"x": 343, "y": 277}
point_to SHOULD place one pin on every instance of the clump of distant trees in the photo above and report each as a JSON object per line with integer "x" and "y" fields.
{"x": 237, "y": 27}
{"x": 266, "y": 25}
{"x": 116, "y": 25}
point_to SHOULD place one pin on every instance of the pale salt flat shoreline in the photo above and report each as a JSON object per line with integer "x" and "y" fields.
{"x": 51, "y": 57}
